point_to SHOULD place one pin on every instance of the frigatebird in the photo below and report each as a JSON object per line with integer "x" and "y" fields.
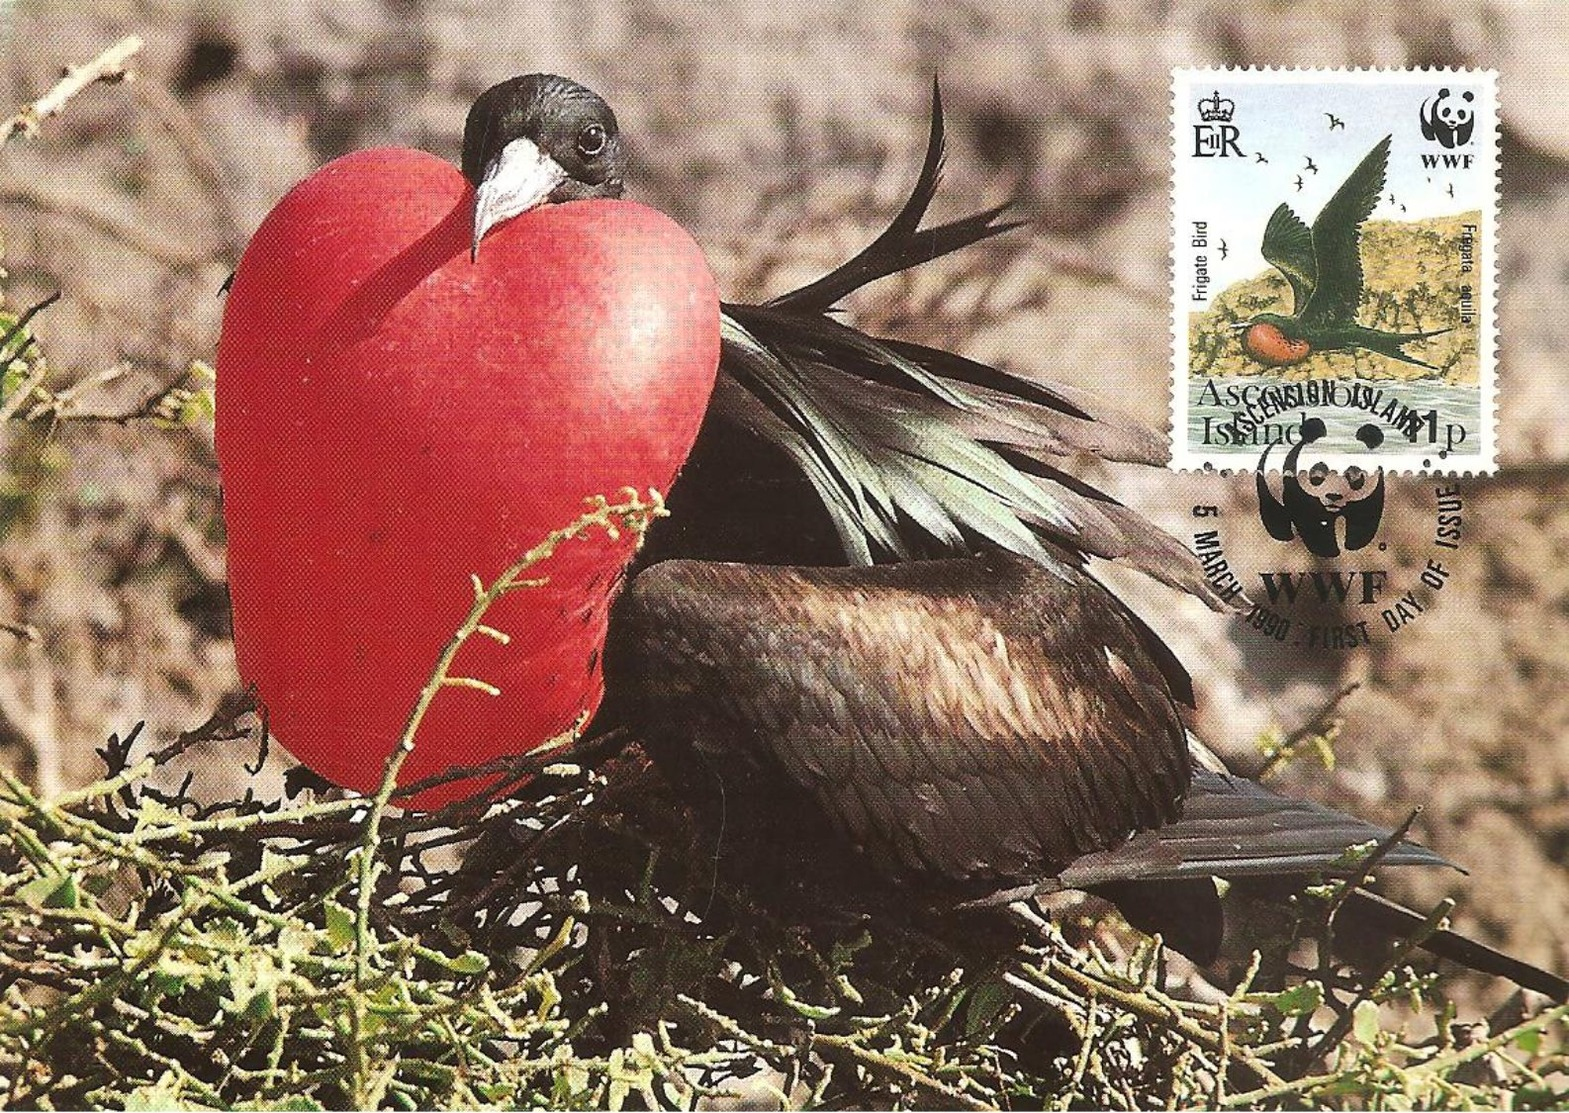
{"x": 1324, "y": 268}
{"x": 1312, "y": 167}
{"x": 1298, "y": 183}
{"x": 983, "y": 724}
{"x": 1335, "y": 122}
{"x": 824, "y": 445}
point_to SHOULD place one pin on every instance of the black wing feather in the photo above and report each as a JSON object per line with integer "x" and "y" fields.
{"x": 1232, "y": 827}
{"x": 1337, "y": 242}
{"x": 959, "y": 721}
{"x": 903, "y": 244}
{"x": 902, "y": 442}
{"x": 1380, "y": 918}
{"x": 1288, "y": 244}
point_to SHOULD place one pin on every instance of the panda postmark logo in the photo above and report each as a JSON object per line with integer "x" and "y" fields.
{"x": 1342, "y": 267}
{"x": 1313, "y": 506}
{"x": 1316, "y": 558}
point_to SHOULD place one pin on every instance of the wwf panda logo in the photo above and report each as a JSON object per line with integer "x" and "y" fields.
{"x": 1449, "y": 119}
{"x": 1311, "y": 510}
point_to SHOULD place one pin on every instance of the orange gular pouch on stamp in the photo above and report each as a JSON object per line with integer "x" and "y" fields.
{"x": 1267, "y": 344}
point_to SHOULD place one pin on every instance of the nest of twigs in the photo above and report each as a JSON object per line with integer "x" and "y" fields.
{"x": 565, "y": 940}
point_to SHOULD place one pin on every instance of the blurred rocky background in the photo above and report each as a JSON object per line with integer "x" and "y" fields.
{"x": 781, "y": 135}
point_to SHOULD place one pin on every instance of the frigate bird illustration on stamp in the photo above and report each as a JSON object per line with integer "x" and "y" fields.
{"x": 1359, "y": 287}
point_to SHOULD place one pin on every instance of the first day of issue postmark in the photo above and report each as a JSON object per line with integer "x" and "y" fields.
{"x": 1334, "y": 236}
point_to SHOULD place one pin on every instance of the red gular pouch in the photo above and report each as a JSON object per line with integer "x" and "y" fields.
{"x": 394, "y": 419}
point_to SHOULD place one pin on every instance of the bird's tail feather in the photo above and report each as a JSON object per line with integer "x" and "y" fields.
{"x": 917, "y": 451}
{"x": 1235, "y": 828}
{"x": 1369, "y": 914}
{"x": 1392, "y": 344}
{"x": 1396, "y": 352}
{"x": 903, "y": 244}
{"x": 1407, "y": 337}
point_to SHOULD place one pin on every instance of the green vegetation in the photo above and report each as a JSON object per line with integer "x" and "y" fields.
{"x": 161, "y": 951}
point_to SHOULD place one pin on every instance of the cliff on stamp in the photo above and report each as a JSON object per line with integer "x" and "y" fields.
{"x": 1413, "y": 279}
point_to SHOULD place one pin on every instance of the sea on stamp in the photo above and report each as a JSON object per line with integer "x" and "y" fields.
{"x": 1333, "y": 240}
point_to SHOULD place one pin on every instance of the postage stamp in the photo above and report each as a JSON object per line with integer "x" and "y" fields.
{"x": 1334, "y": 235}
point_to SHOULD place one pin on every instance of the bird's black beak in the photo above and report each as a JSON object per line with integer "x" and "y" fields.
{"x": 520, "y": 178}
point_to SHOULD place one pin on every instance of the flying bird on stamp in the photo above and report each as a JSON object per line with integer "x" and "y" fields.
{"x": 1336, "y": 301}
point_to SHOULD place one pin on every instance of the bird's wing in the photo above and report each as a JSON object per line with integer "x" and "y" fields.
{"x": 1337, "y": 241}
{"x": 1288, "y": 245}
{"x": 1232, "y": 827}
{"x": 889, "y": 458}
{"x": 975, "y": 721}
{"x": 901, "y": 442}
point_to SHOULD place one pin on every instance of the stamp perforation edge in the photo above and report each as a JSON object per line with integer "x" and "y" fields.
{"x": 1187, "y": 84}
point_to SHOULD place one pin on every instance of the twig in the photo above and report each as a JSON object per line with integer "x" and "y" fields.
{"x": 23, "y": 391}
{"x": 1399, "y": 953}
{"x": 1346, "y": 886}
{"x": 1149, "y": 1009}
{"x": 1367, "y": 865}
{"x": 59, "y": 403}
{"x": 36, "y": 374}
{"x": 909, "y": 1073}
{"x": 1312, "y": 725}
{"x": 1253, "y": 1099}
{"x": 22, "y": 322}
{"x": 109, "y": 66}
{"x": 157, "y": 406}
{"x": 1448, "y": 1062}
{"x": 1437, "y": 1067}
{"x": 634, "y": 514}
{"x": 1141, "y": 1002}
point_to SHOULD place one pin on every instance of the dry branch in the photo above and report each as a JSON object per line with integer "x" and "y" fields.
{"x": 109, "y": 66}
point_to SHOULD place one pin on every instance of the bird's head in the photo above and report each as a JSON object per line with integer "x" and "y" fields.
{"x": 536, "y": 140}
{"x": 1286, "y": 326}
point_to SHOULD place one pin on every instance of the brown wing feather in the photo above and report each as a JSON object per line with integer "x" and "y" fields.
{"x": 959, "y": 720}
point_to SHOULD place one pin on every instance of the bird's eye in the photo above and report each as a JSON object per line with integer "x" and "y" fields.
{"x": 591, "y": 141}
